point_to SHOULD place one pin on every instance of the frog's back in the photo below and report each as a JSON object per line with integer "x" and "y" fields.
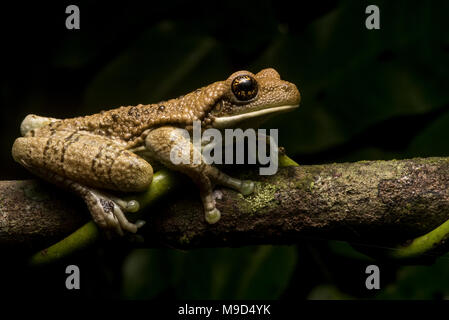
{"x": 128, "y": 123}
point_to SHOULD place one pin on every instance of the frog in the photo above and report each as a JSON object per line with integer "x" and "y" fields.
{"x": 98, "y": 155}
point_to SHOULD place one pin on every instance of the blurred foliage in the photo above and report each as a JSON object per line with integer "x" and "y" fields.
{"x": 420, "y": 282}
{"x": 366, "y": 95}
{"x": 259, "y": 272}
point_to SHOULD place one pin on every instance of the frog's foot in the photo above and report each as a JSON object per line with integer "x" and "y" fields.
{"x": 211, "y": 213}
{"x": 245, "y": 187}
{"x": 108, "y": 212}
{"x": 212, "y": 216}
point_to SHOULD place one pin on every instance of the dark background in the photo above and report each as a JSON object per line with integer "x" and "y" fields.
{"x": 367, "y": 95}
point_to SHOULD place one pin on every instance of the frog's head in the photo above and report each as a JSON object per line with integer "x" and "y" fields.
{"x": 249, "y": 99}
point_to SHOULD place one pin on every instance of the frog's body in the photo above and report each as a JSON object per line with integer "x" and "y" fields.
{"x": 113, "y": 149}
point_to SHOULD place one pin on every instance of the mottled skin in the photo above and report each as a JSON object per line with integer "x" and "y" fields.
{"x": 113, "y": 149}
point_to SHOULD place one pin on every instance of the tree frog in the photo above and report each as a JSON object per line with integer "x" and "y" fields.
{"x": 112, "y": 150}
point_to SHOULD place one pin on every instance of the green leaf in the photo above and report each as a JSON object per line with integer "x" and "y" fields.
{"x": 420, "y": 282}
{"x": 327, "y": 292}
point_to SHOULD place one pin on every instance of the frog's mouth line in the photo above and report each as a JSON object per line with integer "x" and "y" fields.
{"x": 226, "y": 122}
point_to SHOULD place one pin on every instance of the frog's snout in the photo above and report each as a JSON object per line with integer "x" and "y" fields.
{"x": 291, "y": 90}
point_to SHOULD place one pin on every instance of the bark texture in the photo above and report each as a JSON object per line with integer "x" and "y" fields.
{"x": 376, "y": 202}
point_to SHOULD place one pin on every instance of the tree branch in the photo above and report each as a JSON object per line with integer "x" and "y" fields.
{"x": 377, "y": 202}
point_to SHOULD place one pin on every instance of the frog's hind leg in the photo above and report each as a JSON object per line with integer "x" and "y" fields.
{"x": 84, "y": 164}
{"x": 106, "y": 210}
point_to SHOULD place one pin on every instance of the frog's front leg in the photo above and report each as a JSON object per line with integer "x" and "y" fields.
{"x": 163, "y": 143}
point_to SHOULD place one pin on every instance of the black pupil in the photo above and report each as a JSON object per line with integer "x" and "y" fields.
{"x": 244, "y": 87}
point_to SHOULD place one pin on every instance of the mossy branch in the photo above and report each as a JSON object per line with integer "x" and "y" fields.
{"x": 382, "y": 203}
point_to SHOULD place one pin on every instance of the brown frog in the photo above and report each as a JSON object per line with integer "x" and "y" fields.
{"x": 112, "y": 150}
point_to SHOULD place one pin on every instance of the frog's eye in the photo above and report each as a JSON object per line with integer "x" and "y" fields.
{"x": 244, "y": 87}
